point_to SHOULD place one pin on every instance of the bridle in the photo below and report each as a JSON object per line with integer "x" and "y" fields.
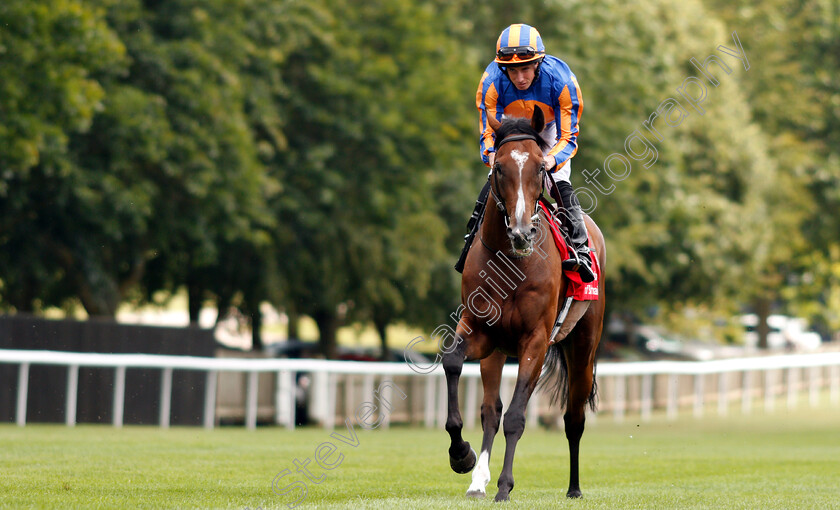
{"x": 494, "y": 184}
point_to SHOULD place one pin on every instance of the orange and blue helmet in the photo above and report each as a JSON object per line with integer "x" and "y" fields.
{"x": 519, "y": 44}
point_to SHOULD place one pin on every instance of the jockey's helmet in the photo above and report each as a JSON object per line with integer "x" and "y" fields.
{"x": 519, "y": 44}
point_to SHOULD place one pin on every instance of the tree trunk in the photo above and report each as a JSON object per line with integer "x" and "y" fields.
{"x": 97, "y": 290}
{"x": 195, "y": 296}
{"x": 294, "y": 323}
{"x": 630, "y": 330}
{"x": 222, "y": 306}
{"x": 23, "y": 298}
{"x": 252, "y": 309}
{"x": 382, "y": 329}
{"x": 99, "y": 302}
{"x": 762, "y": 311}
{"x": 327, "y": 322}
{"x": 256, "y": 331}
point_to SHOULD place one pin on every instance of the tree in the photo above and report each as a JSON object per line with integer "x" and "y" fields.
{"x": 55, "y": 54}
{"x": 690, "y": 227}
{"x": 359, "y": 169}
{"x": 795, "y": 102}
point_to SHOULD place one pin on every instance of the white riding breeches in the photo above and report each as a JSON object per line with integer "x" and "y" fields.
{"x": 562, "y": 174}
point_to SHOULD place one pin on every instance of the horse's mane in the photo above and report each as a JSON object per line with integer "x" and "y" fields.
{"x": 518, "y": 126}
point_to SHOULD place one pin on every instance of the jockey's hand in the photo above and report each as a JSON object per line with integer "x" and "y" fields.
{"x": 550, "y": 163}
{"x": 492, "y": 159}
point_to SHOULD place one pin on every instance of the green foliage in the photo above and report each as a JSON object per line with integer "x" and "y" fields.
{"x": 362, "y": 168}
{"x": 49, "y": 51}
{"x": 321, "y": 154}
{"x": 793, "y": 98}
{"x": 50, "y": 54}
{"x": 690, "y": 226}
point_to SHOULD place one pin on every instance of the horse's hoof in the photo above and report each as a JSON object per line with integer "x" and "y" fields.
{"x": 502, "y": 497}
{"x": 477, "y": 494}
{"x": 574, "y": 494}
{"x": 464, "y": 465}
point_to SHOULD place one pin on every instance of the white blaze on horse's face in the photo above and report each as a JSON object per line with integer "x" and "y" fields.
{"x": 521, "y": 228}
{"x": 520, "y": 158}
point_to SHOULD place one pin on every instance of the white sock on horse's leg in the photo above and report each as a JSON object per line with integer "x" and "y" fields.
{"x": 480, "y": 476}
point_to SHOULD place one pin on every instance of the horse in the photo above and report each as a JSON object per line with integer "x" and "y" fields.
{"x": 511, "y": 291}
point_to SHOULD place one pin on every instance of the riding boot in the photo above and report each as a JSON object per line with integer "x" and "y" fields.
{"x": 472, "y": 225}
{"x": 580, "y": 260}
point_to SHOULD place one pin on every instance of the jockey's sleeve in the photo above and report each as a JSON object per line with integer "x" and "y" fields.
{"x": 486, "y": 99}
{"x": 567, "y": 114}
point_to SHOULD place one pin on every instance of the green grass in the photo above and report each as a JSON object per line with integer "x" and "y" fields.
{"x": 783, "y": 460}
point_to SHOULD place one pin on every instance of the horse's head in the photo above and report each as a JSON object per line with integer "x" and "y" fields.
{"x": 517, "y": 177}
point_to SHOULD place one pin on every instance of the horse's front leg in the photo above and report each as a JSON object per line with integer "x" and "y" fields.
{"x": 491, "y": 416}
{"x": 462, "y": 458}
{"x": 530, "y": 366}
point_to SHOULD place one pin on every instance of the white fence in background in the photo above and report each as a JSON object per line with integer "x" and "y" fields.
{"x": 338, "y": 387}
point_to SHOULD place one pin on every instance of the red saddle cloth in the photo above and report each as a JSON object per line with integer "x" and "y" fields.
{"x": 577, "y": 289}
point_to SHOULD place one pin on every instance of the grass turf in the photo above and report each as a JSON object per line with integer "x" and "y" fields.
{"x": 783, "y": 460}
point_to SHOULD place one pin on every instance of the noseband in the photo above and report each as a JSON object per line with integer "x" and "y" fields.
{"x": 494, "y": 186}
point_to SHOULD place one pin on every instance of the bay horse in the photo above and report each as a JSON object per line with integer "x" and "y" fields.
{"x": 512, "y": 292}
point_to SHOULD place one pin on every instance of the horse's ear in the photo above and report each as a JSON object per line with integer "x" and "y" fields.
{"x": 494, "y": 124}
{"x": 538, "y": 119}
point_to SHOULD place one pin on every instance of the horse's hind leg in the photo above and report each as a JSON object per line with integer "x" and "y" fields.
{"x": 579, "y": 349}
{"x": 491, "y": 415}
{"x": 461, "y": 457}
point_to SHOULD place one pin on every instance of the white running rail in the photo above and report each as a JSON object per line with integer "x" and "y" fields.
{"x": 636, "y": 385}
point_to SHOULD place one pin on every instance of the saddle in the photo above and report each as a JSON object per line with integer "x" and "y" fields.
{"x": 577, "y": 289}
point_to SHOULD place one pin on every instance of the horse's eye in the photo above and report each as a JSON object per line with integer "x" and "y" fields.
{"x": 497, "y": 168}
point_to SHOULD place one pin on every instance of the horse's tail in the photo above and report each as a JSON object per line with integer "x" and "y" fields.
{"x": 555, "y": 378}
{"x": 592, "y": 399}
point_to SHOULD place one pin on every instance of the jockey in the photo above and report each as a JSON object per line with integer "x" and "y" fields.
{"x": 521, "y": 77}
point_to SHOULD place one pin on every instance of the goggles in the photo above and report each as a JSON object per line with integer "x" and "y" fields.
{"x": 507, "y": 53}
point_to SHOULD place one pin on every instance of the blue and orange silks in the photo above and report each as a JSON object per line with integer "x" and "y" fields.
{"x": 555, "y": 90}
